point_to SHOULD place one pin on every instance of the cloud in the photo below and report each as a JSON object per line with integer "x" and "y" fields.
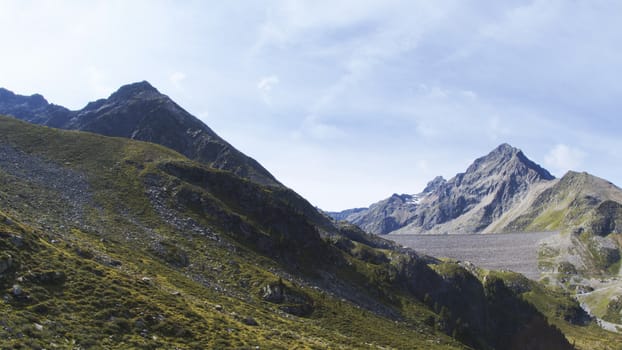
{"x": 265, "y": 86}
{"x": 524, "y": 24}
{"x": 266, "y": 83}
{"x": 321, "y": 130}
{"x": 562, "y": 158}
{"x": 177, "y": 78}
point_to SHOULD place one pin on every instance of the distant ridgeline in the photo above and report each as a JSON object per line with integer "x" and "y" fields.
{"x": 503, "y": 191}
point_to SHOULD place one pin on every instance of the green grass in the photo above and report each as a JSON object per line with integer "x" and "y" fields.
{"x": 548, "y": 221}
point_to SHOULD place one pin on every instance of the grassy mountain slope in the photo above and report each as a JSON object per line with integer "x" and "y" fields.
{"x": 136, "y": 272}
{"x": 109, "y": 242}
{"x": 577, "y": 201}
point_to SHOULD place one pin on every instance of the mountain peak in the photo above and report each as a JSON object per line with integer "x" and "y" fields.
{"x": 434, "y": 184}
{"x": 139, "y": 89}
{"x": 507, "y": 159}
{"x": 506, "y": 148}
{"x": 34, "y": 101}
{"x": 502, "y": 153}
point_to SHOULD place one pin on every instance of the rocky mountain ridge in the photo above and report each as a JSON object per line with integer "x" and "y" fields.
{"x": 467, "y": 203}
{"x": 139, "y": 111}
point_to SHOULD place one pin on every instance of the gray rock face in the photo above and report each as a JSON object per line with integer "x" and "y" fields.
{"x": 140, "y": 112}
{"x": 292, "y": 302}
{"x": 387, "y": 215}
{"x": 467, "y": 203}
{"x": 34, "y": 109}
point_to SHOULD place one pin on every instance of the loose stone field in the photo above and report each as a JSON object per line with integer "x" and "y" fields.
{"x": 511, "y": 251}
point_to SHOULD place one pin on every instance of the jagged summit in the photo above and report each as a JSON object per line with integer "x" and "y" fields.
{"x": 139, "y": 111}
{"x": 502, "y": 159}
{"x": 142, "y": 89}
{"x": 35, "y": 100}
{"x": 434, "y": 184}
{"x": 505, "y": 148}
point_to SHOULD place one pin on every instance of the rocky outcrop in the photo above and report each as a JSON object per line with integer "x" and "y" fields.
{"x": 387, "y": 215}
{"x": 289, "y": 300}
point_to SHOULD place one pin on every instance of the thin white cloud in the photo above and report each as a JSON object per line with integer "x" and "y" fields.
{"x": 562, "y": 158}
{"x": 266, "y": 83}
{"x": 320, "y": 130}
{"x": 176, "y": 78}
{"x": 497, "y": 131}
{"x": 526, "y": 23}
{"x": 265, "y": 86}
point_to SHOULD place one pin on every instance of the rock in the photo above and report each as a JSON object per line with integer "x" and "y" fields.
{"x": 300, "y": 310}
{"x": 218, "y": 308}
{"x": 84, "y": 253}
{"x": 38, "y": 327}
{"x": 172, "y": 253}
{"x": 293, "y": 302}
{"x": 273, "y": 293}
{"x": 139, "y": 323}
{"x": 48, "y": 277}
{"x": 17, "y": 241}
{"x": 17, "y": 290}
{"x": 115, "y": 263}
{"x": 6, "y": 261}
{"x": 249, "y": 321}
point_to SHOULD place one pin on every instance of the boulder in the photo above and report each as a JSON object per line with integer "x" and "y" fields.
{"x": 273, "y": 293}
{"x": 291, "y": 301}
{"x": 17, "y": 290}
{"x": 48, "y": 277}
{"x": 249, "y": 321}
{"x": 6, "y": 261}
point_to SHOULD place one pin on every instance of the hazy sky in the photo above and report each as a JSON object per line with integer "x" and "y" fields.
{"x": 347, "y": 102}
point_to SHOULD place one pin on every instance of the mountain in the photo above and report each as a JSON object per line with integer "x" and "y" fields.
{"x": 139, "y": 111}
{"x": 577, "y": 201}
{"x": 114, "y": 243}
{"x": 501, "y": 192}
{"x": 467, "y": 203}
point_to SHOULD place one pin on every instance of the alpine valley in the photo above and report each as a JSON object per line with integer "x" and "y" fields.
{"x": 131, "y": 224}
{"x": 505, "y": 192}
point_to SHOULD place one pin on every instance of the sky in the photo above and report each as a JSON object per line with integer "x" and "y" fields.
{"x": 347, "y": 102}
